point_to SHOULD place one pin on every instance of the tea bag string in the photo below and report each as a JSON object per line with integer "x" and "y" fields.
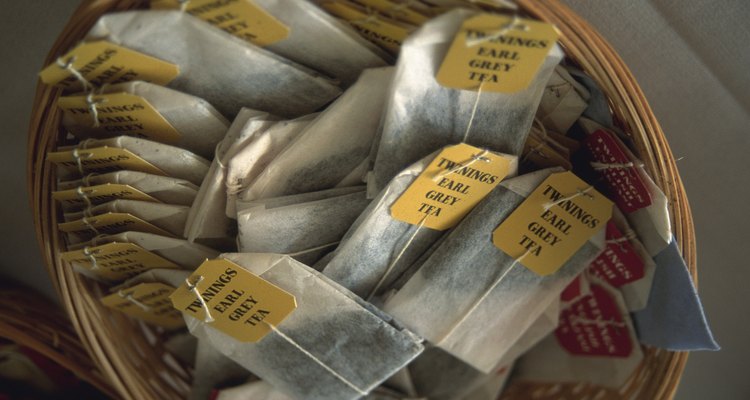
{"x": 317, "y": 360}
{"x": 78, "y": 159}
{"x": 91, "y": 256}
{"x": 599, "y": 166}
{"x": 484, "y": 296}
{"x": 502, "y": 3}
{"x": 129, "y": 297}
{"x": 68, "y": 66}
{"x": 371, "y": 16}
{"x": 474, "y": 158}
{"x": 183, "y": 5}
{"x": 396, "y": 260}
{"x": 473, "y": 113}
{"x": 193, "y": 287}
{"x": 83, "y": 196}
{"x": 579, "y": 192}
{"x": 89, "y": 225}
{"x": 514, "y": 23}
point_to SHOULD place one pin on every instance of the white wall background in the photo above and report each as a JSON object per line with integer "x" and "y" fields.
{"x": 690, "y": 57}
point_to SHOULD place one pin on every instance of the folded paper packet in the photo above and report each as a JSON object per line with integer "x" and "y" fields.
{"x": 376, "y": 240}
{"x": 207, "y": 220}
{"x": 563, "y": 101}
{"x": 595, "y": 343}
{"x": 333, "y": 144}
{"x": 299, "y": 227}
{"x": 321, "y": 41}
{"x": 226, "y": 71}
{"x": 198, "y": 125}
{"x": 598, "y": 107}
{"x": 164, "y": 219}
{"x": 332, "y": 346}
{"x": 162, "y": 188}
{"x": 253, "y": 155}
{"x": 154, "y": 157}
{"x": 179, "y": 251}
{"x": 412, "y": 130}
{"x": 469, "y": 297}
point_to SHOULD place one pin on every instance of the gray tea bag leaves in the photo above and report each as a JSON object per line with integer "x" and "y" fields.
{"x": 254, "y": 155}
{"x": 322, "y": 42}
{"x": 163, "y": 188}
{"x": 200, "y": 126}
{"x": 331, "y": 146}
{"x": 445, "y": 302}
{"x": 207, "y": 220}
{"x": 294, "y": 228}
{"x": 422, "y": 116}
{"x": 226, "y": 71}
{"x": 347, "y": 349}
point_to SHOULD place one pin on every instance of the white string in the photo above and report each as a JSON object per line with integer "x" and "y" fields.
{"x": 398, "y": 257}
{"x": 317, "y": 360}
{"x": 88, "y": 224}
{"x": 87, "y": 179}
{"x": 484, "y": 296}
{"x": 579, "y": 192}
{"x": 77, "y": 158}
{"x": 502, "y": 3}
{"x": 88, "y": 253}
{"x": 129, "y": 297}
{"x": 82, "y": 195}
{"x": 193, "y": 287}
{"x": 371, "y": 17}
{"x": 602, "y": 166}
{"x": 473, "y": 113}
{"x": 92, "y": 107}
{"x": 514, "y": 23}
{"x": 183, "y": 5}
{"x": 600, "y": 323}
{"x": 68, "y": 65}
{"x": 474, "y": 158}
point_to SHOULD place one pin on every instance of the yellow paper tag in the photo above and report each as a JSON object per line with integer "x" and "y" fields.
{"x": 103, "y": 159}
{"x": 451, "y": 185}
{"x": 377, "y": 29}
{"x": 117, "y": 114}
{"x": 104, "y": 62}
{"x": 495, "y": 51}
{"x": 242, "y": 304}
{"x": 98, "y": 194}
{"x": 393, "y": 9}
{"x": 110, "y": 223}
{"x": 553, "y": 223}
{"x": 149, "y": 302}
{"x": 241, "y": 18}
{"x": 116, "y": 261}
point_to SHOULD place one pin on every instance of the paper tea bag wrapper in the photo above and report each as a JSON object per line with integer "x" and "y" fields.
{"x": 130, "y": 185}
{"x": 298, "y": 227}
{"x": 252, "y": 156}
{"x": 207, "y": 220}
{"x": 128, "y": 153}
{"x": 336, "y": 142}
{"x": 363, "y": 341}
{"x": 422, "y": 115}
{"x": 147, "y": 110}
{"x": 595, "y": 343}
{"x": 479, "y": 313}
{"x": 630, "y": 187}
{"x": 226, "y": 71}
{"x": 161, "y": 219}
{"x": 563, "y": 102}
{"x": 179, "y": 251}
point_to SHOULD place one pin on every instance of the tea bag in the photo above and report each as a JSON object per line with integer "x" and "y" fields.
{"x": 171, "y": 277}
{"x": 332, "y": 346}
{"x": 162, "y": 219}
{"x": 183, "y": 347}
{"x": 333, "y": 144}
{"x": 214, "y": 370}
{"x": 179, "y": 251}
{"x": 228, "y": 72}
{"x": 254, "y": 155}
{"x": 469, "y": 297}
{"x": 198, "y": 125}
{"x": 377, "y": 242}
{"x": 162, "y": 188}
{"x": 595, "y": 343}
{"x": 422, "y": 115}
{"x": 207, "y": 220}
{"x": 155, "y": 158}
{"x": 294, "y": 228}
{"x": 563, "y": 101}
{"x": 256, "y": 390}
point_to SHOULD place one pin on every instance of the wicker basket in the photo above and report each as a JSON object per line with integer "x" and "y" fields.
{"x": 131, "y": 355}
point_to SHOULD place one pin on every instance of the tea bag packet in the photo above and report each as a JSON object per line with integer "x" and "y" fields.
{"x": 563, "y": 102}
{"x": 128, "y": 153}
{"x": 333, "y": 144}
{"x": 425, "y": 111}
{"x": 147, "y": 110}
{"x": 478, "y": 313}
{"x": 595, "y": 343}
{"x": 295, "y": 228}
{"x": 207, "y": 220}
{"x": 380, "y": 246}
{"x": 306, "y": 352}
{"x": 629, "y": 186}
{"x": 252, "y": 156}
{"x": 178, "y": 251}
{"x": 131, "y": 185}
{"x": 123, "y": 215}
{"x": 226, "y": 71}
